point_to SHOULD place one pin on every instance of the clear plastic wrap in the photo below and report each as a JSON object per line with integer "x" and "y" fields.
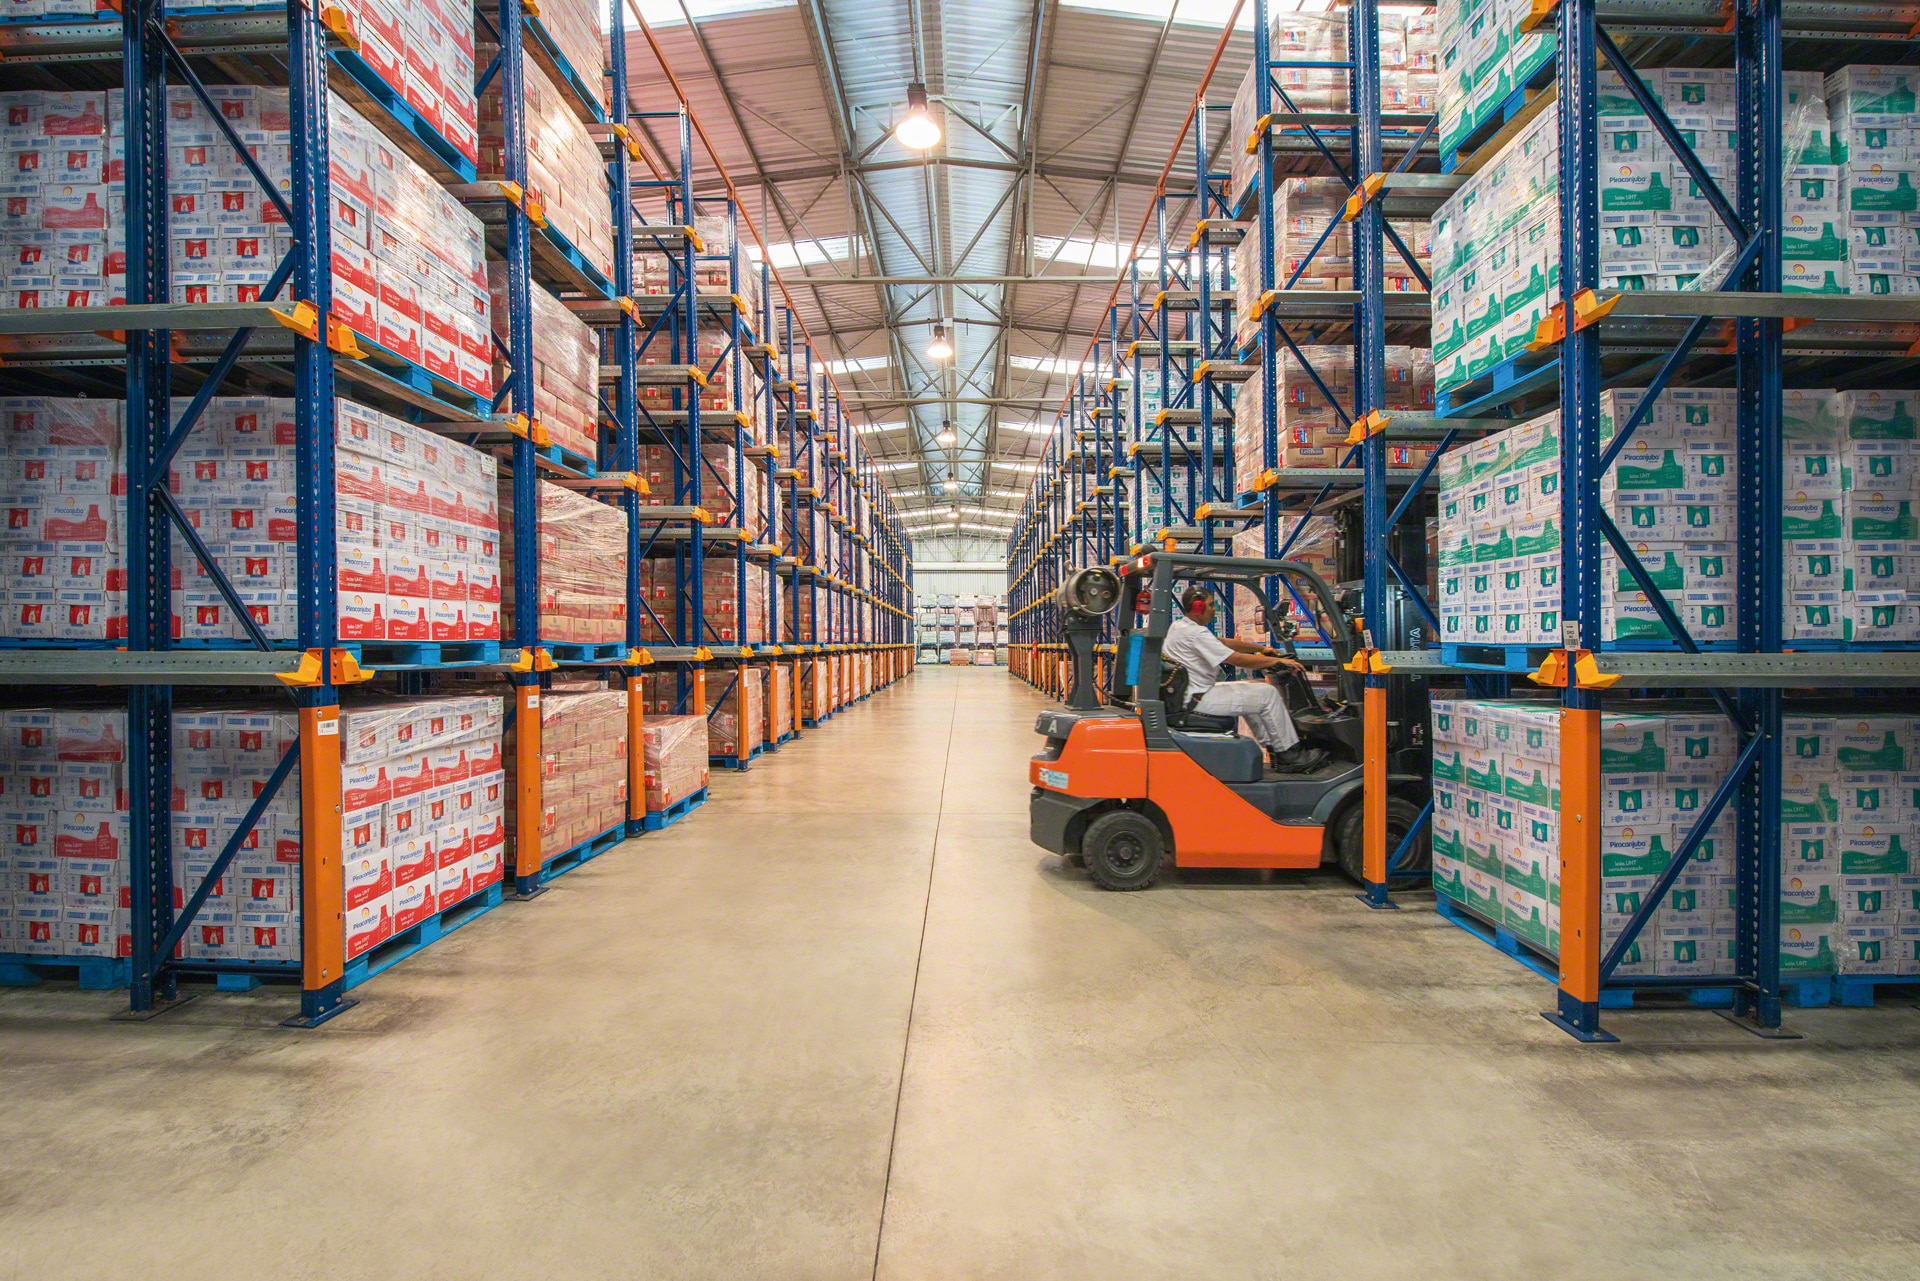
{"x": 583, "y": 567}
{"x": 583, "y": 765}
{"x": 738, "y": 722}
{"x": 779, "y": 702}
{"x": 676, "y": 748}
{"x": 566, "y": 367}
{"x": 564, "y": 170}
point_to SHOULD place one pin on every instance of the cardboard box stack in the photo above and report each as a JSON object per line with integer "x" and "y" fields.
{"x": 1310, "y": 432}
{"x": 583, "y": 567}
{"x": 1850, "y": 809}
{"x": 1852, "y": 538}
{"x": 425, "y": 54}
{"x": 424, "y": 805}
{"x": 1499, "y": 526}
{"x": 416, "y": 535}
{"x": 419, "y": 547}
{"x": 1319, "y": 549}
{"x": 779, "y": 702}
{"x": 739, "y": 719}
{"x": 408, "y": 260}
{"x": 676, "y": 748}
{"x": 1483, "y": 56}
{"x": 1850, "y": 211}
{"x": 574, "y": 28}
{"x": 63, "y": 833}
{"x": 62, "y": 557}
{"x": 1409, "y": 62}
{"x": 1496, "y": 825}
{"x": 564, "y": 171}
{"x": 724, "y": 264}
{"x": 725, "y": 585}
{"x": 583, "y": 765}
{"x": 1312, "y": 240}
{"x": 566, "y": 367}
{"x": 1672, "y": 491}
{"x": 1873, "y": 125}
{"x": 222, "y": 759}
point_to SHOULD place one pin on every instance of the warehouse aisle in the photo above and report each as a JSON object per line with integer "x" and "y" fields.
{"x": 848, "y": 1009}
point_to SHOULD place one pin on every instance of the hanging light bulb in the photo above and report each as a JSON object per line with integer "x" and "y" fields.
{"x": 917, "y": 130}
{"x": 953, "y": 484}
{"x": 947, "y": 437}
{"x": 940, "y": 348}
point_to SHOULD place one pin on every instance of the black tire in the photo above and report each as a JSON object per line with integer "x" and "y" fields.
{"x": 1123, "y": 851}
{"x": 1349, "y": 838}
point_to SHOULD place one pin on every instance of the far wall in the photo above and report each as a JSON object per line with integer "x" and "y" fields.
{"x": 967, "y": 579}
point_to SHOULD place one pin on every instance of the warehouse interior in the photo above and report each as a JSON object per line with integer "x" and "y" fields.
{"x": 1038, "y": 638}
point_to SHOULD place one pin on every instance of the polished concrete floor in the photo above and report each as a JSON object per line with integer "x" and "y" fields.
{"x": 847, "y": 1023}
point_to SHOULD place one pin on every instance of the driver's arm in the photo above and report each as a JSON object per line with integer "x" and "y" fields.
{"x": 1257, "y": 662}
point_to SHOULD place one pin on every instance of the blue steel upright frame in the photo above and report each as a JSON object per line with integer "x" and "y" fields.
{"x": 1746, "y": 684}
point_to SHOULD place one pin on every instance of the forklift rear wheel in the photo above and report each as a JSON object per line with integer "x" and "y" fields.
{"x": 1349, "y": 838}
{"x": 1123, "y": 851}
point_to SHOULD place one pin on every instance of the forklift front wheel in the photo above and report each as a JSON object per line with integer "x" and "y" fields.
{"x": 1349, "y": 837}
{"x": 1123, "y": 850}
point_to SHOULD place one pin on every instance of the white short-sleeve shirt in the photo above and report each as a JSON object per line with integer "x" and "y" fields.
{"x": 1196, "y": 649}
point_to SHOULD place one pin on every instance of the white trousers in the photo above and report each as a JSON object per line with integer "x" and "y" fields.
{"x": 1259, "y": 704}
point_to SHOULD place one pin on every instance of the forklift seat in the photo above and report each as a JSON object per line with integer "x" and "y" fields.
{"x": 1202, "y": 723}
{"x": 1227, "y": 757}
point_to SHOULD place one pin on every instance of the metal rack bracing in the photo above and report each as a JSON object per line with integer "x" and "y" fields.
{"x": 288, "y": 339}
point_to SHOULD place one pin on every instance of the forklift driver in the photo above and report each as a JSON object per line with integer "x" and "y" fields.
{"x": 1193, "y": 647}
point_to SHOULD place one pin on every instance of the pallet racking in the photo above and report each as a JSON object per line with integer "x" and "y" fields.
{"x": 1594, "y": 339}
{"x": 1598, "y": 338}
{"x": 290, "y": 338}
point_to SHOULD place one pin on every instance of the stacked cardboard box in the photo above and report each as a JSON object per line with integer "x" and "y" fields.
{"x": 1313, "y": 247}
{"x": 1874, "y": 136}
{"x": 583, "y": 567}
{"x": 566, "y": 366}
{"x": 1318, "y": 549}
{"x": 1496, "y": 826}
{"x": 222, "y": 759}
{"x": 1850, "y": 808}
{"x": 1850, "y": 895}
{"x": 1672, "y": 491}
{"x": 424, "y": 804}
{"x": 408, "y": 261}
{"x": 1852, "y": 540}
{"x": 676, "y": 748}
{"x": 574, "y": 27}
{"x": 416, "y": 538}
{"x": 63, "y": 833}
{"x": 739, "y": 720}
{"x": 63, "y": 576}
{"x": 425, "y": 53}
{"x": 779, "y": 702}
{"x": 565, "y": 174}
{"x": 1310, "y": 431}
{"x": 733, "y": 491}
{"x": 1483, "y": 56}
{"x": 1850, "y": 213}
{"x": 583, "y": 765}
{"x": 717, "y": 358}
{"x": 1499, "y": 527}
{"x": 419, "y": 542}
{"x": 1409, "y": 61}
{"x": 734, "y": 600}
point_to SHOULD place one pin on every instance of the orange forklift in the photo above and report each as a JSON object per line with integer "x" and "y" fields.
{"x": 1126, "y": 783}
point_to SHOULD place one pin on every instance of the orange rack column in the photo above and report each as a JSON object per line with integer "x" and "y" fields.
{"x": 527, "y": 859}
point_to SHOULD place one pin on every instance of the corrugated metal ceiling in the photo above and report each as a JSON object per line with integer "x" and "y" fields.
{"x": 1062, "y": 136}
